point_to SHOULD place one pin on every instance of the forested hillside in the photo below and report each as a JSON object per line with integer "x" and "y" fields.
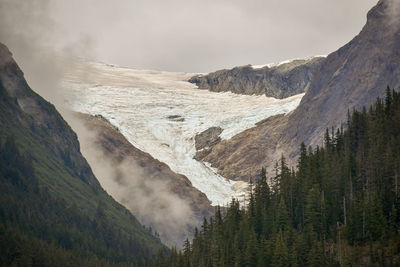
{"x": 339, "y": 207}
{"x": 39, "y": 229}
{"x": 53, "y": 211}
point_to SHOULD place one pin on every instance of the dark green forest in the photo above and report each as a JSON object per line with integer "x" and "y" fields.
{"x": 49, "y": 214}
{"x": 38, "y": 229}
{"x": 339, "y": 207}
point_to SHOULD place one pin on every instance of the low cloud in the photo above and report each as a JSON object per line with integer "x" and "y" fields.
{"x": 148, "y": 198}
{"x": 45, "y": 56}
{"x": 37, "y": 43}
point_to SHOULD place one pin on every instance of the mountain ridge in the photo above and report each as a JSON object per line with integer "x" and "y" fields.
{"x": 59, "y": 205}
{"x": 45, "y": 116}
{"x": 274, "y": 80}
{"x": 351, "y": 77}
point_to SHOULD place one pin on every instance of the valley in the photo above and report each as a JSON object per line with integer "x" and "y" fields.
{"x": 284, "y": 164}
{"x": 160, "y": 113}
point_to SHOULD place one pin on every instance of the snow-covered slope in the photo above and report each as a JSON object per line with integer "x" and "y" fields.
{"x": 160, "y": 113}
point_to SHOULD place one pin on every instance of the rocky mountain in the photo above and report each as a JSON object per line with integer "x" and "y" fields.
{"x": 349, "y": 78}
{"x": 63, "y": 142}
{"x": 274, "y": 80}
{"x": 114, "y": 146}
{"x": 53, "y": 210}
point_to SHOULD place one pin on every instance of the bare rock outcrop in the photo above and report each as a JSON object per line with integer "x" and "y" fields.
{"x": 279, "y": 81}
{"x": 208, "y": 138}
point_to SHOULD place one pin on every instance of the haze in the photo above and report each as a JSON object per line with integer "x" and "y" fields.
{"x": 189, "y": 35}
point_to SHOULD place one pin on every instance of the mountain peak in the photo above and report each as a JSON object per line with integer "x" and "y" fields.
{"x": 64, "y": 143}
{"x": 279, "y": 80}
{"x": 387, "y": 11}
{"x": 349, "y": 78}
{"x": 11, "y": 75}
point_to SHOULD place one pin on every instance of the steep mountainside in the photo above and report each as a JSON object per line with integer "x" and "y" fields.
{"x": 352, "y": 77}
{"x": 52, "y": 208}
{"x": 339, "y": 207}
{"x": 279, "y": 81}
{"x": 116, "y": 148}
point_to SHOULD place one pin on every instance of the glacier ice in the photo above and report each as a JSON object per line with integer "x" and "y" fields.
{"x": 160, "y": 113}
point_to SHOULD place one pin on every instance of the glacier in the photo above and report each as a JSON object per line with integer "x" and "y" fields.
{"x": 160, "y": 113}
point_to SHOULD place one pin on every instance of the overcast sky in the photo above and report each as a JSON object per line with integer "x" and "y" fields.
{"x": 192, "y": 35}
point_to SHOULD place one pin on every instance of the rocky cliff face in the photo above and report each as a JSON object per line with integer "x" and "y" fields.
{"x": 352, "y": 77}
{"x": 64, "y": 142}
{"x": 279, "y": 81}
{"x": 208, "y": 138}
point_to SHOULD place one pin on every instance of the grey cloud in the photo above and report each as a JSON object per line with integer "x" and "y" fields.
{"x": 46, "y": 51}
{"x": 149, "y": 199}
{"x": 201, "y": 36}
{"x": 38, "y": 44}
